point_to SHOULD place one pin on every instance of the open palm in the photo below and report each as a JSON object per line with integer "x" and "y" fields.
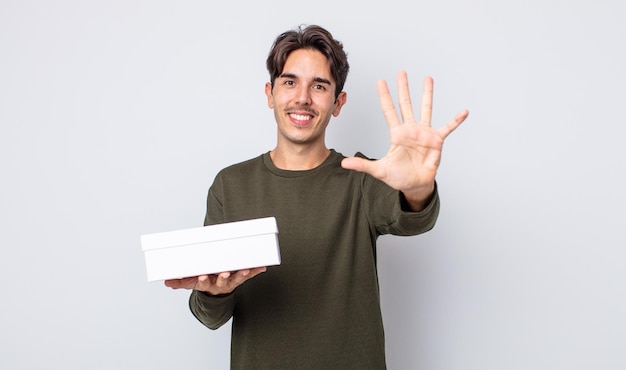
{"x": 411, "y": 163}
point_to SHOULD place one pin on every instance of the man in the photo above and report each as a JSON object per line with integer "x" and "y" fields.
{"x": 320, "y": 309}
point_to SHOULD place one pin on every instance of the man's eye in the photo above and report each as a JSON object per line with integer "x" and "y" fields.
{"x": 319, "y": 87}
{"x": 289, "y": 83}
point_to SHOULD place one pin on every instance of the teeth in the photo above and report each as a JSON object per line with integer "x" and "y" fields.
{"x": 301, "y": 117}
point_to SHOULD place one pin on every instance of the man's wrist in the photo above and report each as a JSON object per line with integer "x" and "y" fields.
{"x": 417, "y": 200}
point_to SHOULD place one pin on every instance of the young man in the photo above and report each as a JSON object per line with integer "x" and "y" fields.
{"x": 320, "y": 309}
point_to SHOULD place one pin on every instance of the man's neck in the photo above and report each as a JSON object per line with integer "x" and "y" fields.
{"x": 298, "y": 158}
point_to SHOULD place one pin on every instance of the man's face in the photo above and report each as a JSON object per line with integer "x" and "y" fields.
{"x": 303, "y": 98}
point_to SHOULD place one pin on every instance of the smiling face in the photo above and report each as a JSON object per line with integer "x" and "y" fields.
{"x": 303, "y": 99}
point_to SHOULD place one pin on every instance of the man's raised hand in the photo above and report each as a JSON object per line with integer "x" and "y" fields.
{"x": 411, "y": 163}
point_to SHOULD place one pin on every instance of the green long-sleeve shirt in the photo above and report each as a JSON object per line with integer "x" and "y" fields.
{"x": 320, "y": 308}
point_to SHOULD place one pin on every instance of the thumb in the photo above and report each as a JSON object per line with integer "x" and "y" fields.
{"x": 359, "y": 164}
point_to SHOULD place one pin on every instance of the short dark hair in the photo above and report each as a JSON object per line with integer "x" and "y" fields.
{"x": 309, "y": 37}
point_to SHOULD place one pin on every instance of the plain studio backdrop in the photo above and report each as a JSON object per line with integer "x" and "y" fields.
{"x": 116, "y": 116}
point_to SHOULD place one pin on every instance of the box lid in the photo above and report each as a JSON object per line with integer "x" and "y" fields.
{"x": 229, "y": 230}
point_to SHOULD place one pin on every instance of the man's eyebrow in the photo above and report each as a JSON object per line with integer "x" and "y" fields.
{"x": 322, "y": 80}
{"x": 316, "y": 79}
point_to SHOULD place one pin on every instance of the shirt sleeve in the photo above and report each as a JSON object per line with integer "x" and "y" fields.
{"x": 212, "y": 311}
{"x": 388, "y": 215}
{"x": 413, "y": 223}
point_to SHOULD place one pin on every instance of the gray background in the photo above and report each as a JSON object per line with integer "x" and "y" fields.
{"x": 116, "y": 116}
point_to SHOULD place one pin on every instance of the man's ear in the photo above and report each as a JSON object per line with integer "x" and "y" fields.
{"x": 268, "y": 93}
{"x": 339, "y": 102}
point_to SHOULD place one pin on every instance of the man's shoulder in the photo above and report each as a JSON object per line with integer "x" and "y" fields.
{"x": 361, "y": 155}
{"x": 242, "y": 167}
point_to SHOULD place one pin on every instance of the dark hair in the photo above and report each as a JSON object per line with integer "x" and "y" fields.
{"x": 309, "y": 37}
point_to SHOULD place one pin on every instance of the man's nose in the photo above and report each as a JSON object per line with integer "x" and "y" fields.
{"x": 303, "y": 95}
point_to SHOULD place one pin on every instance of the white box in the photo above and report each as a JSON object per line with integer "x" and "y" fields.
{"x": 211, "y": 249}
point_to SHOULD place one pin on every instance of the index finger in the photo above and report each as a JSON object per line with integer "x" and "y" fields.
{"x": 426, "y": 109}
{"x": 386, "y": 103}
